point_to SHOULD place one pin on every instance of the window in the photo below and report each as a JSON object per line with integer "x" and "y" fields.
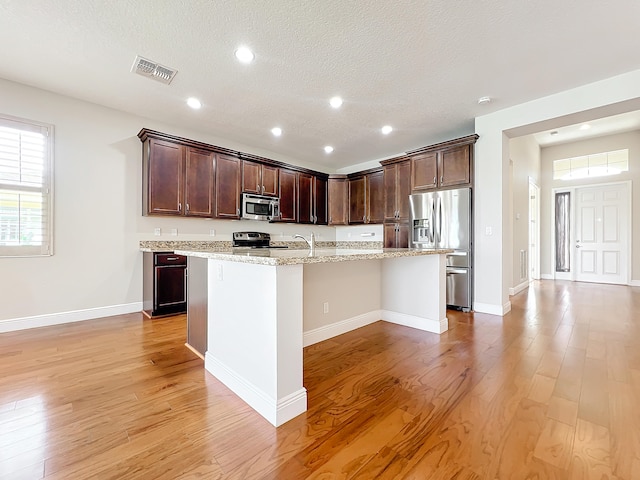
{"x": 25, "y": 187}
{"x": 596, "y": 165}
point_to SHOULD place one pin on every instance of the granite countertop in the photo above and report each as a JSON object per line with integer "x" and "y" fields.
{"x": 293, "y": 256}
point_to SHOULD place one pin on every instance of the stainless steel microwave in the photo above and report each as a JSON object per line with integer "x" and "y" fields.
{"x": 260, "y": 207}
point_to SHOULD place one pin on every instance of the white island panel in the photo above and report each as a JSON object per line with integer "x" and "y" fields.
{"x": 414, "y": 292}
{"x": 255, "y": 335}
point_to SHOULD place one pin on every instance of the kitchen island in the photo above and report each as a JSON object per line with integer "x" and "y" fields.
{"x": 255, "y": 313}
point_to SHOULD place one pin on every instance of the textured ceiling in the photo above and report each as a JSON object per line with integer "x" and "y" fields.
{"x": 419, "y": 66}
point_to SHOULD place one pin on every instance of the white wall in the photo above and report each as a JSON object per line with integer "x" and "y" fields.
{"x": 97, "y": 268}
{"x": 630, "y": 140}
{"x": 525, "y": 160}
{"x": 493, "y": 253}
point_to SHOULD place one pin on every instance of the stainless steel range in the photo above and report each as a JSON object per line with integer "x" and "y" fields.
{"x": 253, "y": 240}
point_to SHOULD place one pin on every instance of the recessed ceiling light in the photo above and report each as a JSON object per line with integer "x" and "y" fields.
{"x": 554, "y": 132}
{"x": 484, "y": 100}
{"x": 336, "y": 102}
{"x": 328, "y": 149}
{"x": 194, "y": 103}
{"x": 585, "y": 126}
{"x": 244, "y": 55}
{"x": 277, "y": 131}
{"x": 386, "y": 130}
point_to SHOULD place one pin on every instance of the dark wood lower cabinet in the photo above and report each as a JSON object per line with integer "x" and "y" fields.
{"x": 164, "y": 283}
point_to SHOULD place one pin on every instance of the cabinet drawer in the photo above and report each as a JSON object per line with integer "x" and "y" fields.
{"x": 170, "y": 259}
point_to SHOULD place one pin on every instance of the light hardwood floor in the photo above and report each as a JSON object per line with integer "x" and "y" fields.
{"x": 550, "y": 391}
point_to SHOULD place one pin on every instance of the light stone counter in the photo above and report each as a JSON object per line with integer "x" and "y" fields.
{"x": 290, "y": 256}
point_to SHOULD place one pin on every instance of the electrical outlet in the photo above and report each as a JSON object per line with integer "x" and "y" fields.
{"x": 325, "y": 307}
{"x": 488, "y": 231}
{"x": 212, "y": 232}
{"x": 220, "y": 276}
{"x": 174, "y": 232}
{"x": 157, "y": 232}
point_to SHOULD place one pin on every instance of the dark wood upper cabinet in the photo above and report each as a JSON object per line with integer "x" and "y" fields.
{"x": 375, "y": 197}
{"x": 455, "y": 166}
{"x": 424, "y": 172}
{"x": 259, "y": 179}
{"x": 366, "y": 198}
{"x": 337, "y": 201}
{"x": 443, "y": 165}
{"x": 270, "y": 176}
{"x": 163, "y": 177}
{"x": 320, "y": 200}
{"x": 288, "y": 195}
{"x": 227, "y": 187}
{"x": 357, "y": 199}
{"x": 305, "y": 198}
{"x": 199, "y": 168}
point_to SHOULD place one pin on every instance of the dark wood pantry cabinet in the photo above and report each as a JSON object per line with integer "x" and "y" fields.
{"x": 288, "y": 195}
{"x": 312, "y": 199}
{"x": 397, "y": 188}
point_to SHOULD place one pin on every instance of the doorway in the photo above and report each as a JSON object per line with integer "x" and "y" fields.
{"x": 598, "y": 237}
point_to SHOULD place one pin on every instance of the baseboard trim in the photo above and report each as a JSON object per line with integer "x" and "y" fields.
{"x": 14, "y": 324}
{"x": 276, "y": 412}
{"x": 333, "y": 330}
{"x": 426, "y": 324}
{"x": 635, "y": 283}
{"x": 547, "y": 276}
{"x": 491, "y": 309}
{"x": 518, "y": 288}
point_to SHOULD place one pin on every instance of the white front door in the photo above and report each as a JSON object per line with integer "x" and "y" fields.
{"x": 602, "y": 233}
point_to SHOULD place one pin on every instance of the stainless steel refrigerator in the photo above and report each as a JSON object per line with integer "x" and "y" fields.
{"x": 443, "y": 219}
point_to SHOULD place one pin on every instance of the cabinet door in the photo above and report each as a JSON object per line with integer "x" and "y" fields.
{"x": 171, "y": 289}
{"x": 251, "y": 182}
{"x": 320, "y": 200}
{"x": 227, "y": 191}
{"x": 357, "y": 192}
{"x": 424, "y": 171}
{"x": 337, "y": 201}
{"x": 402, "y": 235}
{"x": 455, "y": 166}
{"x": 403, "y": 190}
{"x": 165, "y": 182}
{"x": 390, "y": 181}
{"x": 199, "y": 180}
{"x": 389, "y": 232}
{"x": 375, "y": 197}
{"x": 270, "y": 180}
{"x": 305, "y": 198}
{"x": 288, "y": 197}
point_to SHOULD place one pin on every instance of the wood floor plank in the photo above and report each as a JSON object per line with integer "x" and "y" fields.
{"x": 550, "y": 391}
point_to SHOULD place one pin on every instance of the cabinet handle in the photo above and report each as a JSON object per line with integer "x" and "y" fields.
{"x": 179, "y": 206}
{"x": 170, "y": 259}
{"x": 364, "y": 218}
{"x": 441, "y": 178}
{"x": 187, "y": 205}
{"x": 262, "y": 188}
{"x": 435, "y": 180}
{"x": 238, "y": 212}
{"x": 258, "y": 187}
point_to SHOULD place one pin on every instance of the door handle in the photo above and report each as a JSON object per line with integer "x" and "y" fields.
{"x": 578, "y": 246}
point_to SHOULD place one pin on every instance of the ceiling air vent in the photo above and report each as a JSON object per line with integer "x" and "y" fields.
{"x": 148, "y": 68}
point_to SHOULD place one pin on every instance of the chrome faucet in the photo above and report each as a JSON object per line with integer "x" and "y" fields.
{"x": 311, "y": 242}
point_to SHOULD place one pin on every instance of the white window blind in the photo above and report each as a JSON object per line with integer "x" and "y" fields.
{"x": 25, "y": 187}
